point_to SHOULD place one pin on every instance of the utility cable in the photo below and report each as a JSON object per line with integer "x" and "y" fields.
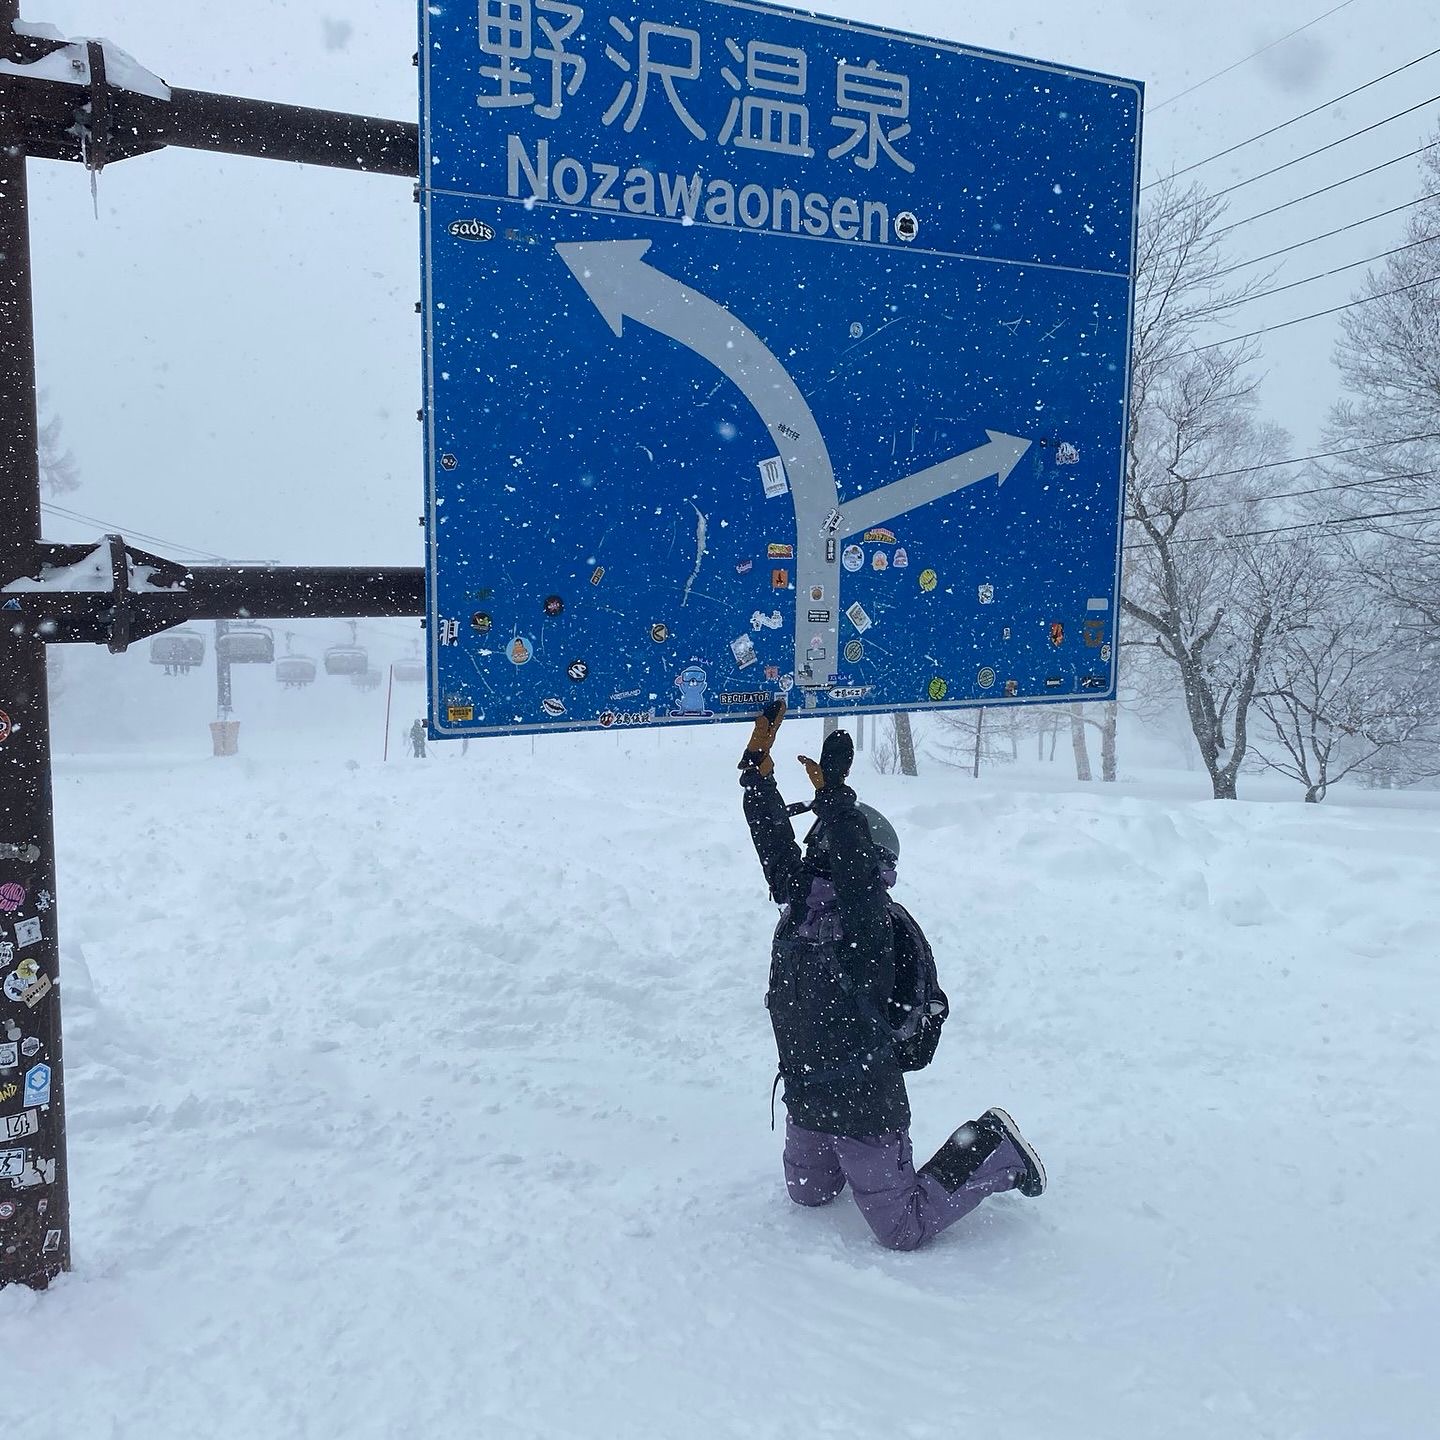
{"x": 1294, "y": 119}
{"x": 1151, "y": 109}
{"x": 1315, "y": 315}
{"x": 111, "y": 527}
{"x": 1322, "y": 455}
{"x": 1301, "y": 459}
{"x": 1311, "y": 154}
{"x": 1324, "y": 189}
{"x": 1327, "y": 235}
{"x": 1325, "y": 525}
{"x": 1310, "y": 279}
{"x": 1319, "y": 455}
{"x": 1291, "y": 494}
{"x": 1331, "y": 534}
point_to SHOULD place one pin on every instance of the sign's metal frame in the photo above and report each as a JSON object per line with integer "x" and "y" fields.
{"x": 84, "y": 118}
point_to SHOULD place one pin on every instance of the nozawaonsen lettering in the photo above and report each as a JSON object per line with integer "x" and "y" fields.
{"x": 640, "y": 190}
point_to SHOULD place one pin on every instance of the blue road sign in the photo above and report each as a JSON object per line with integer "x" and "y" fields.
{"x": 765, "y": 354}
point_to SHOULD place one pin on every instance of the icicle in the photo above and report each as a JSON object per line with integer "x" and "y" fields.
{"x": 94, "y": 174}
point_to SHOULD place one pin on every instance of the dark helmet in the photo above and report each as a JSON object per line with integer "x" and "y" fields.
{"x": 882, "y": 837}
{"x": 882, "y": 833}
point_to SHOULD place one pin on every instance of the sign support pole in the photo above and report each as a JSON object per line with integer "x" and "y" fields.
{"x": 35, "y": 1233}
{"x": 389, "y": 690}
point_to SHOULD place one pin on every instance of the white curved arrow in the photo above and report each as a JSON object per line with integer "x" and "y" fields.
{"x": 623, "y": 285}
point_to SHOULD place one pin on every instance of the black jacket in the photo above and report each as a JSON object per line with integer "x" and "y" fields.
{"x": 839, "y": 1067}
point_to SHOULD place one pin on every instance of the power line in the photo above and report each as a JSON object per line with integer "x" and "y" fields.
{"x": 110, "y": 526}
{"x": 1315, "y": 315}
{"x": 1301, "y": 459}
{"x": 1310, "y": 279}
{"x": 1328, "y": 234}
{"x": 1331, "y": 534}
{"x": 1300, "y": 199}
{"x": 1293, "y": 494}
{"x": 1319, "y": 455}
{"x": 1311, "y": 154}
{"x": 1323, "y": 455}
{"x": 1294, "y": 119}
{"x": 1151, "y": 109}
{"x": 1330, "y": 526}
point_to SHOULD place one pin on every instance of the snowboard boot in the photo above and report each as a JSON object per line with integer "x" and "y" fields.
{"x": 998, "y": 1123}
{"x": 957, "y": 1160}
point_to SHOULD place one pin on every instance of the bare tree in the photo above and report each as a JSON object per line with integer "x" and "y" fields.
{"x": 1104, "y": 718}
{"x": 892, "y": 745}
{"x": 1388, "y": 482}
{"x": 1019, "y": 723}
{"x": 973, "y": 737}
{"x": 1050, "y": 730}
{"x": 59, "y": 475}
{"x": 884, "y": 748}
{"x": 1349, "y": 692}
{"x": 1005, "y": 726}
{"x": 1207, "y": 597}
{"x": 1078, "y": 745}
{"x": 1414, "y": 757}
{"x": 904, "y": 743}
{"x": 59, "y": 470}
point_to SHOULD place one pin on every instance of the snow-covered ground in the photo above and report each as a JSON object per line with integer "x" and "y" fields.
{"x": 432, "y": 1099}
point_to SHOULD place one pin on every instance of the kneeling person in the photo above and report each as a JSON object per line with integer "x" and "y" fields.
{"x": 832, "y": 976}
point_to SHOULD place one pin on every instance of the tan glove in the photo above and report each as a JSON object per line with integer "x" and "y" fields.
{"x": 762, "y": 737}
{"x": 836, "y": 758}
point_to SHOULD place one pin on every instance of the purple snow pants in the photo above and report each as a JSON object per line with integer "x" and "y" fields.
{"x": 903, "y": 1209}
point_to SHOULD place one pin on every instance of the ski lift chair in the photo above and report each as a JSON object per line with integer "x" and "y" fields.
{"x": 247, "y": 645}
{"x": 293, "y": 671}
{"x": 179, "y": 650}
{"x": 346, "y": 660}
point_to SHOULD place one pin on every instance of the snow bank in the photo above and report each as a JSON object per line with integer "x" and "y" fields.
{"x": 433, "y": 1099}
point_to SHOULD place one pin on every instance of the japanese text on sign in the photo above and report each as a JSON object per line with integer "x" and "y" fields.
{"x": 531, "y": 65}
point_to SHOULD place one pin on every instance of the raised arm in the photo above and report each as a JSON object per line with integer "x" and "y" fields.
{"x": 859, "y": 890}
{"x": 772, "y": 835}
{"x": 853, "y": 861}
{"x": 765, "y": 812}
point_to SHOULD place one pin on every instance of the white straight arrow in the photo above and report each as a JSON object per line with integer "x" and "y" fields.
{"x": 998, "y": 458}
{"x": 623, "y": 285}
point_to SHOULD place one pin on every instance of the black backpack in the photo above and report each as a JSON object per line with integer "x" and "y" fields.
{"x": 917, "y": 1007}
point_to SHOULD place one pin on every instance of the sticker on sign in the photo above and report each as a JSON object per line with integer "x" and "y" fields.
{"x": 859, "y": 617}
{"x": 772, "y": 478}
{"x": 17, "y": 1127}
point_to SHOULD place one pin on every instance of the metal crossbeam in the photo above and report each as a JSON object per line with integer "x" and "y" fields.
{"x": 93, "y": 122}
{"x": 148, "y": 594}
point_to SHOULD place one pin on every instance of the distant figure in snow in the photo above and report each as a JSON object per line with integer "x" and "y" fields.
{"x": 832, "y": 976}
{"x": 417, "y": 739}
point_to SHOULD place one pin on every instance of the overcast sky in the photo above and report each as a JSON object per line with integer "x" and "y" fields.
{"x": 232, "y": 344}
